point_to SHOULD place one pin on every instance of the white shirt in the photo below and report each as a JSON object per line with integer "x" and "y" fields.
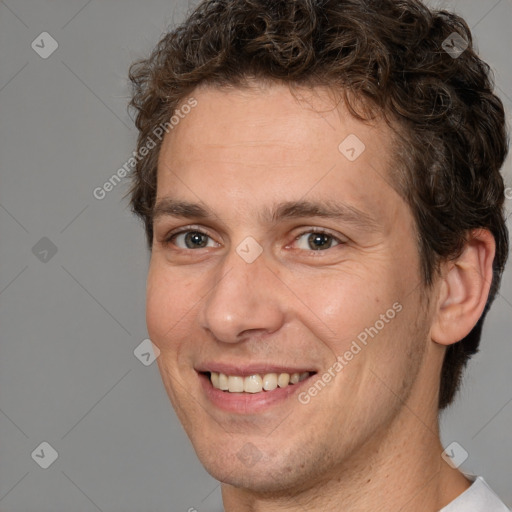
{"x": 477, "y": 498}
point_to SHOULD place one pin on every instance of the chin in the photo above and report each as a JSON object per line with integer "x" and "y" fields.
{"x": 249, "y": 468}
{"x": 264, "y": 480}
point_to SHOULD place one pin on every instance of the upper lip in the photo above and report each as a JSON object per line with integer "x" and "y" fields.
{"x": 244, "y": 370}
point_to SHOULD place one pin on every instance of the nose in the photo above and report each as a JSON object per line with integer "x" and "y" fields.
{"x": 246, "y": 300}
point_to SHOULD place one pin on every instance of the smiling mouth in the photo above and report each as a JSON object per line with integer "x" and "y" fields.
{"x": 256, "y": 383}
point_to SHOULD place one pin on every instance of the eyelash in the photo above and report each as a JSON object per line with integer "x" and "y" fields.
{"x": 193, "y": 229}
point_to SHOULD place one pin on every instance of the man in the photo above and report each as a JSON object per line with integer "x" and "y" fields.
{"x": 320, "y": 186}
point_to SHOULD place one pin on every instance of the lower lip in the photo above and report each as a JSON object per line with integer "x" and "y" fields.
{"x": 248, "y": 403}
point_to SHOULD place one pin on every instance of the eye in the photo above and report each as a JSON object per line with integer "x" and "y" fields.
{"x": 316, "y": 241}
{"x": 191, "y": 240}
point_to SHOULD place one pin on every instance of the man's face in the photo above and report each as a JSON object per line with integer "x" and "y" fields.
{"x": 248, "y": 279}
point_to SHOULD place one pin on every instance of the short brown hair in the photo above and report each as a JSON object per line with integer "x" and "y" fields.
{"x": 386, "y": 55}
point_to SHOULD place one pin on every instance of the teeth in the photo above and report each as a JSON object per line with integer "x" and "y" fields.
{"x": 223, "y": 382}
{"x": 283, "y": 380}
{"x": 235, "y": 384}
{"x": 255, "y": 383}
{"x": 270, "y": 381}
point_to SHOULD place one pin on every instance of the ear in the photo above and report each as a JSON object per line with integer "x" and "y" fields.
{"x": 464, "y": 288}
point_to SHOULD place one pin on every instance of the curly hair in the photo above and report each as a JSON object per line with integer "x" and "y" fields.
{"x": 385, "y": 57}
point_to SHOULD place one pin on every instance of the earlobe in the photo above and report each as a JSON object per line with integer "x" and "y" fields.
{"x": 464, "y": 289}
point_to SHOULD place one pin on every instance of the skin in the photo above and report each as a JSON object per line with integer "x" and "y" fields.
{"x": 369, "y": 440}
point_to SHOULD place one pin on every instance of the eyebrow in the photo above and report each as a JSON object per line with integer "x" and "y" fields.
{"x": 283, "y": 211}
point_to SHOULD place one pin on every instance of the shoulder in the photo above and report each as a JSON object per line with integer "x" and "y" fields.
{"x": 478, "y": 498}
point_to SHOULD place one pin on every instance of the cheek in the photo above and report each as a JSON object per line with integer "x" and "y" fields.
{"x": 169, "y": 302}
{"x": 366, "y": 318}
{"x": 342, "y": 304}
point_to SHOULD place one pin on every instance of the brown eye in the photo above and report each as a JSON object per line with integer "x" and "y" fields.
{"x": 316, "y": 241}
{"x": 192, "y": 240}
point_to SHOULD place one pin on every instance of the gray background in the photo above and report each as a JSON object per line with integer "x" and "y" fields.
{"x": 70, "y": 324}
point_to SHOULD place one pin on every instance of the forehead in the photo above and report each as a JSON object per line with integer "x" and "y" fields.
{"x": 269, "y": 144}
{"x": 272, "y": 115}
